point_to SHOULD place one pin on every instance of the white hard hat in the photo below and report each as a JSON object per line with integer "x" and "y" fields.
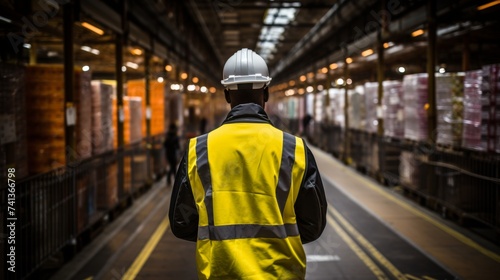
{"x": 245, "y": 67}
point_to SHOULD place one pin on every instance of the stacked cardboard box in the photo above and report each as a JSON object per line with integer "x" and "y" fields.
{"x": 415, "y": 109}
{"x": 482, "y": 109}
{"x": 371, "y": 104}
{"x": 13, "y": 146}
{"x": 102, "y": 109}
{"x": 45, "y": 117}
{"x": 392, "y": 106}
{"x": 449, "y": 107}
{"x": 157, "y": 100}
{"x": 132, "y": 125}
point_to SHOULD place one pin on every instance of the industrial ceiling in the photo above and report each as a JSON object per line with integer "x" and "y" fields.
{"x": 295, "y": 37}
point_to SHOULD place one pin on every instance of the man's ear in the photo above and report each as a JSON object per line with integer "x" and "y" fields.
{"x": 227, "y": 96}
{"x": 266, "y": 94}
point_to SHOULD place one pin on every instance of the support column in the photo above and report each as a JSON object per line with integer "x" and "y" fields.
{"x": 380, "y": 79}
{"x": 147, "y": 73}
{"x": 347, "y": 150}
{"x": 431, "y": 71}
{"x": 69, "y": 79}
{"x": 466, "y": 54}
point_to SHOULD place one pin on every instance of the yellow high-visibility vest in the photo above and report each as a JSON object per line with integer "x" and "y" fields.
{"x": 245, "y": 179}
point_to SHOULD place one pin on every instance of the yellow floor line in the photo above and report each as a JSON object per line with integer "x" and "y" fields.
{"x": 462, "y": 238}
{"x": 146, "y": 251}
{"x": 411, "y": 277}
{"x": 367, "y": 245}
{"x": 428, "y": 278}
{"x": 356, "y": 249}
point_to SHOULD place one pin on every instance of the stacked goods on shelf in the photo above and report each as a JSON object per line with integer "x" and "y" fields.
{"x": 45, "y": 117}
{"x": 371, "y": 104}
{"x": 127, "y": 176}
{"x": 337, "y": 106}
{"x": 135, "y": 104}
{"x": 157, "y": 104}
{"x": 107, "y": 191}
{"x": 140, "y": 169}
{"x": 82, "y": 202}
{"x": 102, "y": 126}
{"x": 13, "y": 134}
{"x": 415, "y": 101}
{"x": 408, "y": 170}
{"x": 392, "y": 107}
{"x": 132, "y": 125}
{"x": 490, "y": 87}
{"x": 83, "y": 101}
{"x": 357, "y": 112}
{"x": 473, "y": 137}
{"x": 449, "y": 107}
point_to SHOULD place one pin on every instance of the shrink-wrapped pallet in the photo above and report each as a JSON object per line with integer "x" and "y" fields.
{"x": 357, "y": 113}
{"x": 472, "y": 137}
{"x": 371, "y": 104}
{"x": 13, "y": 146}
{"x": 131, "y": 116}
{"x": 83, "y": 102}
{"x": 157, "y": 104}
{"x": 482, "y": 109}
{"x": 102, "y": 119}
{"x": 392, "y": 109}
{"x": 449, "y": 107}
{"x": 415, "y": 106}
{"x": 135, "y": 104}
{"x": 337, "y": 106}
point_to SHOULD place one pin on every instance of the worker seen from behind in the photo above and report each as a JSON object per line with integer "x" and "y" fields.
{"x": 248, "y": 193}
{"x": 172, "y": 147}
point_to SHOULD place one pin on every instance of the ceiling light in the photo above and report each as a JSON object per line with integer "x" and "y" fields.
{"x": 132, "y": 65}
{"x": 90, "y": 50}
{"x": 333, "y": 66}
{"x": 124, "y": 68}
{"x": 320, "y": 87}
{"x": 324, "y": 70}
{"x": 184, "y": 76}
{"x": 301, "y": 91}
{"x": 5, "y": 19}
{"x": 303, "y": 78}
{"x": 442, "y": 70}
{"x": 93, "y": 28}
{"x": 168, "y": 68}
{"x": 203, "y": 89}
{"x": 401, "y": 69}
{"x": 191, "y": 87}
{"x": 160, "y": 79}
{"x": 367, "y": 52}
{"x": 349, "y": 81}
{"x": 85, "y": 68}
{"x": 348, "y": 60}
{"x": 340, "y": 81}
{"x": 486, "y": 6}
{"x": 213, "y": 90}
{"x": 310, "y": 75}
{"x": 195, "y": 80}
{"x": 309, "y": 89}
{"x": 175, "y": 87}
{"x": 291, "y": 83}
{"x": 388, "y": 45}
{"x": 28, "y": 46}
{"x": 417, "y": 33}
{"x": 136, "y": 51}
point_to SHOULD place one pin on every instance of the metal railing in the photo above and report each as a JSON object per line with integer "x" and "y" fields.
{"x": 57, "y": 211}
{"x": 460, "y": 184}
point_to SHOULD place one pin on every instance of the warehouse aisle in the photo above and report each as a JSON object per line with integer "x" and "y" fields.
{"x": 372, "y": 233}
